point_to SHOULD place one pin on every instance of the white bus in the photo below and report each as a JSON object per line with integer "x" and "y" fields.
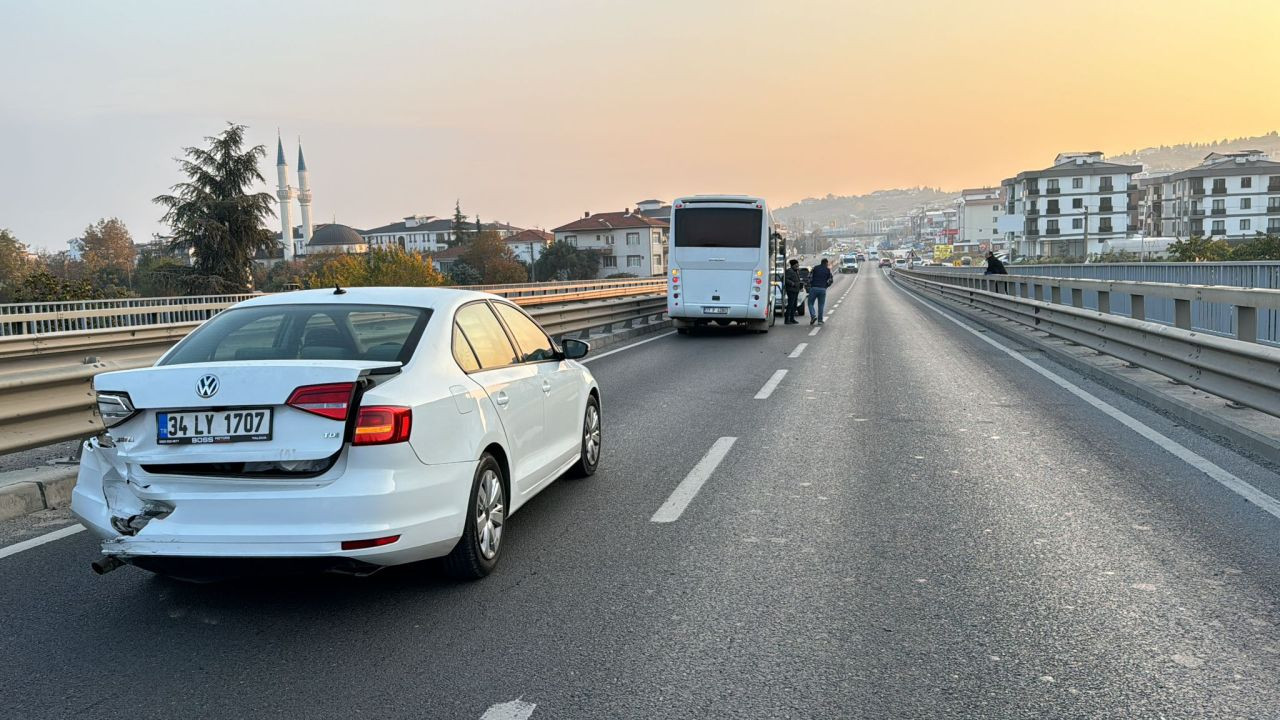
{"x": 723, "y": 253}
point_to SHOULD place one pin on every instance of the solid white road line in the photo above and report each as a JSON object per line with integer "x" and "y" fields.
{"x": 692, "y": 483}
{"x": 1169, "y": 445}
{"x": 771, "y": 385}
{"x": 514, "y": 710}
{"x": 38, "y": 541}
{"x": 814, "y": 331}
{"x": 627, "y": 347}
{"x": 799, "y": 349}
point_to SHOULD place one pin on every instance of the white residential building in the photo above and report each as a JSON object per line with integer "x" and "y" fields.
{"x": 528, "y": 245}
{"x": 1231, "y": 195}
{"x": 416, "y": 233}
{"x": 979, "y": 209}
{"x": 1076, "y": 207}
{"x": 627, "y": 242}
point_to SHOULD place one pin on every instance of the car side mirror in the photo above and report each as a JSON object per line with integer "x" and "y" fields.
{"x": 575, "y": 349}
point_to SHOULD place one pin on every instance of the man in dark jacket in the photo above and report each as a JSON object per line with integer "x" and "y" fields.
{"x": 994, "y": 266}
{"x": 792, "y": 284}
{"x": 819, "y": 280}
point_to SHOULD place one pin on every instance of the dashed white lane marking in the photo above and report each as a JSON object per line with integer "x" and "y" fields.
{"x": 799, "y": 349}
{"x": 692, "y": 483}
{"x": 1169, "y": 445}
{"x": 814, "y": 331}
{"x": 514, "y": 710}
{"x": 627, "y": 347}
{"x": 16, "y": 548}
{"x": 771, "y": 385}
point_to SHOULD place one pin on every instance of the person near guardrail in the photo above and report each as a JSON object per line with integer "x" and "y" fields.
{"x": 819, "y": 280}
{"x": 792, "y": 284}
{"x": 994, "y": 266}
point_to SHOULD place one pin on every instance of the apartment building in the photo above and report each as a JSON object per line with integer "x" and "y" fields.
{"x": 978, "y": 210}
{"x": 627, "y": 242}
{"x": 1232, "y": 195}
{"x": 1074, "y": 207}
{"x": 426, "y": 233}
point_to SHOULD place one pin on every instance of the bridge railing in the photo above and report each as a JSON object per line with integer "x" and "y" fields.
{"x": 1216, "y": 318}
{"x": 46, "y": 392}
{"x": 80, "y": 315}
{"x": 1238, "y": 368}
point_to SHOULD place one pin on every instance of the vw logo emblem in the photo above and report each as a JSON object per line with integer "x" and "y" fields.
{"x": 207, "y": 386}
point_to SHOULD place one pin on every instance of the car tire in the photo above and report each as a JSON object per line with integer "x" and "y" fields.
{"x": 480, "y": 547}
{"x": 592, "y": 431}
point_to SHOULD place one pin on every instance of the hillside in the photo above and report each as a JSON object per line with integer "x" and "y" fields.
{"x": 837, "y": 209}
{"x": 1179, "y": 157}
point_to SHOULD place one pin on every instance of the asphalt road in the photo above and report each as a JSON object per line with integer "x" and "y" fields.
{"x": 913, "y": 524}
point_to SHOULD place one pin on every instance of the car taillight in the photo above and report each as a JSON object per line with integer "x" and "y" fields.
{"x": 382, "y": 424}
{"x": 115, "y": 408}
{"x": 332, "y": 400}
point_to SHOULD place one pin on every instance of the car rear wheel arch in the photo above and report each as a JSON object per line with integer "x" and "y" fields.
{"x": 504, "y": 464}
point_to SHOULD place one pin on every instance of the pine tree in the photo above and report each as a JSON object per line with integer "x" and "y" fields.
{"x": 215, "y": 214}
{"x": 458, "y": 227}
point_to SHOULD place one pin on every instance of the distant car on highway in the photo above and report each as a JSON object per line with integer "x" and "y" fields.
{"x": 886, "y": 262}
{"x": 337, "y": 430}
{"x": 849, "y": 264}
{"x": 899, "y": 263}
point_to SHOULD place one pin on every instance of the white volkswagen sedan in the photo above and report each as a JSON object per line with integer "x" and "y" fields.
{"x": 336, "y": 429}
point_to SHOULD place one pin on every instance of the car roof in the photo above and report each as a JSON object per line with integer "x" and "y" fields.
{"x": 434, "y": 298}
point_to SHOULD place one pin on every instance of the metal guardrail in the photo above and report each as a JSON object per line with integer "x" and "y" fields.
{"x": 46, "y": 393}
{"x": 81, "y": 315}
{"x": 1207, "y": 317}
{"x": 1238, "y": 369}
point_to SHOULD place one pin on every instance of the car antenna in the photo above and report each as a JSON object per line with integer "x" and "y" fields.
{"x": 337, "y": 289}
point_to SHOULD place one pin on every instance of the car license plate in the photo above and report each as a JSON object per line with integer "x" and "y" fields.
{"x": 213, "y": 426}
{"x": 715, "y": 311}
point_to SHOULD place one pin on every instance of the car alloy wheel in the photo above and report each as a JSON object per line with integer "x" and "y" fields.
{"x": 490, "y": 513}
{"x": 591, "y": 434}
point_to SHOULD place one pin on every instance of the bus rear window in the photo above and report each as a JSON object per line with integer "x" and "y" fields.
{"x": 719, "y": 227}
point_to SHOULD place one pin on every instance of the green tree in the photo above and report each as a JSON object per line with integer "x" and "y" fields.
{"x": 461, "y": 273}
{"x": 43, "y": 286}
{"x": 15, "y": 265}
{"x": 458, "y": 228}
{"x": 562, "y": 261}
{"x": 1198, "y": 249}
{"x": 1262, "y": 247}
{"x": 488, "y": 255}
{"x": 215, "y": 214}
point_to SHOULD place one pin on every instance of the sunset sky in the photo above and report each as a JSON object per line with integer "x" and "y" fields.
{"x": 532, "y": 112}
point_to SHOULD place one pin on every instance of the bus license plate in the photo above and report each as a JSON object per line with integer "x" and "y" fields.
{"x": 715, "y": 311}
{"x": 213, "y": 426}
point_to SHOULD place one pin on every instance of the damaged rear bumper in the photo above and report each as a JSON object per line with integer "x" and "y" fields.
{"x": 154, "y": 521}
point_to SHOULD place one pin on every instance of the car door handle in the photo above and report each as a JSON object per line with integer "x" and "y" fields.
{"x": 546, "y": 386}
{"x": 501, "y": 398}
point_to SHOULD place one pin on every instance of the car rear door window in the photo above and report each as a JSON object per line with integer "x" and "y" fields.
{"x": 534, "y": 344}
{"x": 462, "y": 351}
{"x": 487, "y": 338}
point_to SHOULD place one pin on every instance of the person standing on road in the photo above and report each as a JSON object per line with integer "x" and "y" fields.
{"x": 819, "y": 280}
{"x": 994, "y": 266}
{"x": 791, "y": 284}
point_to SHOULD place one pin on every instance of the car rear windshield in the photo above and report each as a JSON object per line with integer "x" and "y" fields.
{"x": 719, "y": 227}
{"x": 305, "y": 332}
